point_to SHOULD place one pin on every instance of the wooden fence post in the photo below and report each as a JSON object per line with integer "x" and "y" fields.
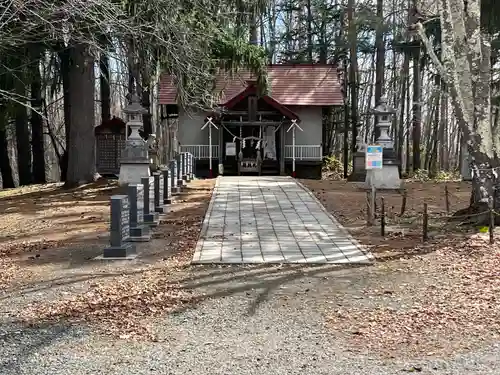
{"x": 447, "y": 198}
{"x": 368, "y": 209}
{"x": 382, "y": 218}
{"x": 403, "y": 203}
{"x": 491, "y": 227}
{"x": 373, "y": 202}
{"x": 425, "y": 224}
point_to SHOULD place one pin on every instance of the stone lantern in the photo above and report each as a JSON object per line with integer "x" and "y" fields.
{"x": 387, "y": 177}
{"x": 383, "y": 113}
{"x": 134, "y": 163}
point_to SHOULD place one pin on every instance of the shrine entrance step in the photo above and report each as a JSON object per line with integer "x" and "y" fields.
{"x": 270, "y": 168}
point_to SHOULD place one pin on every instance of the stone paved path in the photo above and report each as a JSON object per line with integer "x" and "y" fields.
{"x": 272, "y": 220}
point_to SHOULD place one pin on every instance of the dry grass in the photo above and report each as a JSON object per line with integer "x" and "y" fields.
{"x": 43, "y": 224}
{"x": 431, "y": 298}
{"x": 48, "y": 214}
{"x": 421, "y": 299}
{"x": 64, "y": 230}
{"x": 434, "y": 304}
{"x": 348, "y": 203}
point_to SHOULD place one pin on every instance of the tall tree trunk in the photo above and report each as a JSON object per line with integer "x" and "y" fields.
{"x": 472, "y": 93}
{"x": 329, "y": 142}
{"x": 323, "y": 45}
{"x": 146, "y": 117}
{"x": 353, "y": 68}
{"x": 466, "y": 68}
{"x": 65, "y": 58}
{"x": 347, "y": 115}
{"x": 417, "y": 109}
{"x": 254, "y": 27}
{"x": 133, "y": 72}
{"x": 443, "y": 129}
{"x": 408, "y": 128}
{"x": 380, "y": 60}
{"x": 369, "y": 127}
{"x": 430, "y": 137}
{"x": 271, "y": 25}
{"x": 433, "y": 162}
{"x": 22, "y": 133}
{"x": 404, "y": 94}
{"x": 81, "y": 161}
{"x": 37, "y": 140}
{"x": 310, "y": 46}
{"x": 5, "y": 168}
{"x": 105, "y": 87}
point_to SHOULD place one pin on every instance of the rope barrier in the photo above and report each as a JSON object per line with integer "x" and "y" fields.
{"x": 435, "y": 222}
{"x": 448, "y": 217}
{"x": 244, "y": 139}
{"x": 445, "y": 217}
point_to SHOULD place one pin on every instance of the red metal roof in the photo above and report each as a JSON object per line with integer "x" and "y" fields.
{"x": 301, "y": 84}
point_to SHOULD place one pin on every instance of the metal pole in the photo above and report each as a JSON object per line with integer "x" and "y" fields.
{"x": 293, "y": 152}
{"x": 210, "y": 173}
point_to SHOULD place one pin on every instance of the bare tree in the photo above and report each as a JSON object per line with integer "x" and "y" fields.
{"x": 466, "y": 69}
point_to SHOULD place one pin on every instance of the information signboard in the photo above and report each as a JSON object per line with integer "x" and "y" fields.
{"x": 374, "y": 157}
{"x": 230, "y": 149}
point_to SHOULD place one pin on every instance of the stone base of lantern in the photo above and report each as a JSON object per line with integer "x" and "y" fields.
{"x": 358, "y": 168}
{"x": 386, "y": 178}
{"x": 132, "y": 172}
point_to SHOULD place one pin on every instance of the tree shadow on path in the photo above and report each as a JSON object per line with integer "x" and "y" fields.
{"x": 268, "y": 279}
{"x": 21, "y": 343}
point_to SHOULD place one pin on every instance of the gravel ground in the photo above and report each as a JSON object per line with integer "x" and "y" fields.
{"x": 265, "y": 319}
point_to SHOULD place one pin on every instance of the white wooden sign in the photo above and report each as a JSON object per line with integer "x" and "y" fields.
{"x": 373, "y": 157}
{"x": 230, "y": 149}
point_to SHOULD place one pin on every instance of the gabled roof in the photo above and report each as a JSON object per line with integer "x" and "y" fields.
{"x": 300, "y": 84}
{"x": 251, "y": 90}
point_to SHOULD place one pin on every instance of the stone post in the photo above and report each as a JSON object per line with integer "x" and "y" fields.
{"x": 138, "y": 231}
{"x": 167, "y": 186}
{"x": 134, "y": 163}
{"x": 193, "y": 166}
{"x": 190, "y": 166}
{"x": 180, "y": 181}
{"x": 151, "y": 217}
{"x": 159, "y": 188}
{"x": 185, "y": 175}
{"x": 120, "y": 247}
{"x": 173, "y": 177}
